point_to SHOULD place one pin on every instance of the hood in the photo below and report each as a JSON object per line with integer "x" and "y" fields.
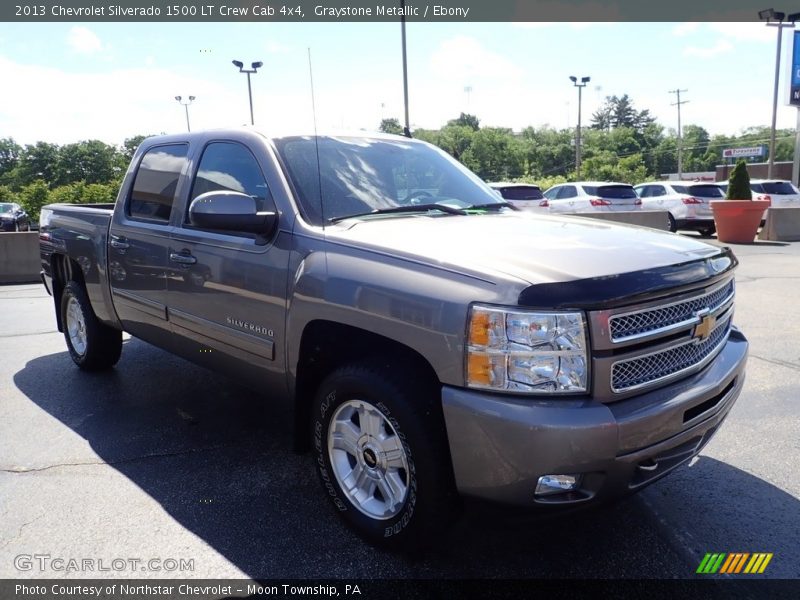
{"x": 528, "y": 247}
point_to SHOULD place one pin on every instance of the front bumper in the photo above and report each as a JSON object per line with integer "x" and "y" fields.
{"x": 500, "y": 446}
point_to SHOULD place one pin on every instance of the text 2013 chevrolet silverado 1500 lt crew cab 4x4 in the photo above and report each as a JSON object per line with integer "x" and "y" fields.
{"x": 434, "y": 342}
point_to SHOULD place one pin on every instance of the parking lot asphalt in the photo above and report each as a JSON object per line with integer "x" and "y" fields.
{"x": 160, "y": 459}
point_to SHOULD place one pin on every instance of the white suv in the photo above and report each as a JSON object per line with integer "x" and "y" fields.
{"x": 525, "y": 196}
{"x": 687, "y": 203}
{"x": 592, "y": 196}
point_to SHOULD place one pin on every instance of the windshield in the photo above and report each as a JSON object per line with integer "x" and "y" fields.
{"x": 706, "y": 190}
{"x": 610, "y": 191}
{"x": 5, "y": 207}
{"x": 778, "y": 188}
{"x": 359, "y": 175}
{"x": 522, "y": 193}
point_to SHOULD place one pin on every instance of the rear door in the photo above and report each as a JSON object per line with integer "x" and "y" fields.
{"x": 139, "y": 240}
{"x": 705, "y": 193}
{"x": 227, "y": 290}
{"x": 613, "y": 197}
{"x": 525, "y": 197}
{"x": 565, "y": 198}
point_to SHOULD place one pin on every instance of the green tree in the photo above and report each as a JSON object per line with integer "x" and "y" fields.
{"x": 466, "y": 120}
{"x": 91, "y": 161}
{"x": 739, "y": 183}
{"x": 391, "y": 126}
{"x": 494, "y": 154}
{"x": 37, "y": 162}
{"x": 129, "y": 147}
{"x": 6, "y": 194}
{"x": 33, "y": 197}
{"x": 455, "y": 139}
{"x": 9, "y": 155}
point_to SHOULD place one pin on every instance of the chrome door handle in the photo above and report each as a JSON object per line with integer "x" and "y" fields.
{"x": 119, "y": 243}
{"x": 183, "y": 259}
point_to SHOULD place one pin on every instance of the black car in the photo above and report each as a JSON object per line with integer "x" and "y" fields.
{"x": 13, "y": 218}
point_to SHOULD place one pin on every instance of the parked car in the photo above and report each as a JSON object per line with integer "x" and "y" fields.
{"x": 431, "y": 342}
{"x": 525, "y": 196}
{"x": 780, "y": 193}
{"x": 592, "y": 196}
{"x": 687, "y": 203}
{"x": 13, "y": 217}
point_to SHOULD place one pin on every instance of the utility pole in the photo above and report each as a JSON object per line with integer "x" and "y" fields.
{"x": 680, "y": 135}
{"x": 580, "y": 86}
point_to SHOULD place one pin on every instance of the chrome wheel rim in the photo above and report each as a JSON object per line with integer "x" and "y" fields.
{"x": 76, "y": 326}
{"x": 368, "y": 459}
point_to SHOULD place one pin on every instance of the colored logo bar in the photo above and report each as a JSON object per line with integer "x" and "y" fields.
{"x": 734, "y": 562}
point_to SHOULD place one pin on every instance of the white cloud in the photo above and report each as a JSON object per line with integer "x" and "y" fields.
{"x": 462, "y": 58}
{"x": 684, "y": 29}
{"x": 721, "y": 47}
{"x": 274, "y": 47}
{"x": 84, "y": 40}
{"x": 745, "y": 32}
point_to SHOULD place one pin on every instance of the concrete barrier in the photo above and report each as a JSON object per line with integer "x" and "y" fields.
{"x": 19, "y": 257}
{"x": 655, "y": 219}
{"x": 782, "y": 225}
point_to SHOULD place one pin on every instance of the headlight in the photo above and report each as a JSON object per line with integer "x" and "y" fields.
{"x": 524, "y": 351}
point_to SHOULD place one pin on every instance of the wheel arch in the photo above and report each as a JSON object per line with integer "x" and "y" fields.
{"x": 327, "y": 345}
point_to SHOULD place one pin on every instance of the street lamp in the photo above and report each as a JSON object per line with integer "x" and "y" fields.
{"x": 775, "y": 19}
{"x": 254, "y": 67}
{"x": 186, "y": 106}
{"x": 580, "y": 86}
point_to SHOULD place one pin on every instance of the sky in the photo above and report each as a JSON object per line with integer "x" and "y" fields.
{"x": 66, "y": 82}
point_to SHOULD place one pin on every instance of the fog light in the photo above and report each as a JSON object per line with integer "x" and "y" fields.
{"x": 556, "y": 484}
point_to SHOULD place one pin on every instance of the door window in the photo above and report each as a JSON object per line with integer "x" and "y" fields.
{"x": 568, "y": 191}
{"x": 228, "y": 166}
{"x": 156, "y": 182}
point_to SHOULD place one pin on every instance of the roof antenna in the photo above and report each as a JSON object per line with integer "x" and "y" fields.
{"x": 407, "y": 128}
{"x": 316, "y": 139}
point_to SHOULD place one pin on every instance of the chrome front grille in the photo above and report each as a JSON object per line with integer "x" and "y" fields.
{"x": 643, "y": 370}
{"x": 662, "y": 319}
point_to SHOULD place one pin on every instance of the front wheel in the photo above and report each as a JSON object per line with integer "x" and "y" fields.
{"x": 92, "y": 345}
{"x": 382, "y": 457}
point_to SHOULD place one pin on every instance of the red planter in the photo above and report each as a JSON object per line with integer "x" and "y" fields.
{"x": 737, "y": 221}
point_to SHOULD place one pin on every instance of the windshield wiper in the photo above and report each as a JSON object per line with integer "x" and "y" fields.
{"x": 411, "y": 208}
{"x": 491, "y": 206}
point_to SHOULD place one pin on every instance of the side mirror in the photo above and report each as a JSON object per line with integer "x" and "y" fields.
{"x": 230, "y": 211}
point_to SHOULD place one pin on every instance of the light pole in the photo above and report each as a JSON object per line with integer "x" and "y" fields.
{"x": 580, "y": 86}
{"x": 680, "y": 137}
{"x": 254, "y": 67}
{"x": 186, "y": 106}
{"x": 407, "y": 125}
{"x": 775, "y": 19}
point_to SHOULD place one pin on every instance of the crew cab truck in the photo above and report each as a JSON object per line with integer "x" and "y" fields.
{"x": 434, "y": 342}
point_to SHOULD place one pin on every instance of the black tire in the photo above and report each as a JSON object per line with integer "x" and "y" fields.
{"x": 708, "y": 231}
{"x": 102, "y": 344}
{"x": 413, "y": 413}
{"x": 673, "y": 226}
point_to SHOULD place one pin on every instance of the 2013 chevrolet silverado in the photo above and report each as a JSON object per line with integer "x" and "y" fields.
{"x": 433, "y": 341}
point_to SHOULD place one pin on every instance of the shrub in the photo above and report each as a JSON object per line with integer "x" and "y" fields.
{"x": 739, "y": 183}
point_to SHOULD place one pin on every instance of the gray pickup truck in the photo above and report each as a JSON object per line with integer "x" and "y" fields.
{"x": 434, "y": 342}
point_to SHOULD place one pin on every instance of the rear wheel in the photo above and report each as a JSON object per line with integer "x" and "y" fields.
{"x": 92, "y": 345}
{"x": 673, "y": 226}
{"x": 382, "y": 457}
{"x": 708, "y": 231}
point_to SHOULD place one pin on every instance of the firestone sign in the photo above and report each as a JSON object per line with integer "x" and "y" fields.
{"x": 743, "y": 152}
{"x": 794, "y": 97}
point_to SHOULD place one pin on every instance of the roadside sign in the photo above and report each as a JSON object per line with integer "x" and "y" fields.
{"x": 744, "y": 152}
{"x": 794, "y": 90}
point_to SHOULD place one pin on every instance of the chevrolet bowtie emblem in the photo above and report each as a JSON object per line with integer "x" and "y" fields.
{"x": 704, "y": 327}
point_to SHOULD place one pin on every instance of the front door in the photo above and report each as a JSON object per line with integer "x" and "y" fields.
{"x": 227, "y": 290}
